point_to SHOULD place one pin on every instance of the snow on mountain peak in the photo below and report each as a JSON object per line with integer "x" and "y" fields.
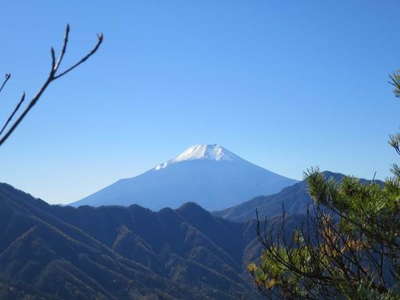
{"x": 211, "y": 152}
{"x": 201, "y": 152}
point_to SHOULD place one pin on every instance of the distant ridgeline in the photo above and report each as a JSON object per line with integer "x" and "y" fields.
{"x": 295, "y": 200}
{"x": 115, "y": 252}
{"x": 209, "y": 175}
{"x": 54, "y": 252}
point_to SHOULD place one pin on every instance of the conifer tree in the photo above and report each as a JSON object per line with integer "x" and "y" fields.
{"x": 346, "y": 247}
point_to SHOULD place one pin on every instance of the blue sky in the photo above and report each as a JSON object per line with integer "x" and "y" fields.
{"x": 284, "y": 84}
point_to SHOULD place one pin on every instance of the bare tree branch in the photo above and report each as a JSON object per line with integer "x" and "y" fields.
{"x": 13, "y": 114}
{"x": 64, "y": 47}
{"x": 100, "y": 38}
{"x": 6, "y": 78}
{"x": 53, "y": 75}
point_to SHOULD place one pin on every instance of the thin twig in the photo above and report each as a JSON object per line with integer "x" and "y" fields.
{"x": 6, "y": 78}
{"x": 100, "y": 39}
{"x": 13, "y": 114}
{"x": 55, "y": 64}
{"x": 64, "y": 47}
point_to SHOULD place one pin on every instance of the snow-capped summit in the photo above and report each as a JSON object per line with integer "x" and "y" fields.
{"x": 212, "y": 152}
{"x": 206, "y": 152}
{"x": 210, "y": 175}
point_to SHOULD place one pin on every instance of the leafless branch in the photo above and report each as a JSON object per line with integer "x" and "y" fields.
{"x": 54, "y": 74}
{"x": 12, "y": 114}
{"x": 100, "y": 38}
{"x": 6, "y": 78}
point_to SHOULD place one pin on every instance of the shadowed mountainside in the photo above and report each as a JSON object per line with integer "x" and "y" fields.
{"x": 120, "y": 252}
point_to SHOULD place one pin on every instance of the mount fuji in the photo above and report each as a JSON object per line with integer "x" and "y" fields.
{"x": 209, "y": 175}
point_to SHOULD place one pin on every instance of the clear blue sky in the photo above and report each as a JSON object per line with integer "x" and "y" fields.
{"x": 284, "y": 84}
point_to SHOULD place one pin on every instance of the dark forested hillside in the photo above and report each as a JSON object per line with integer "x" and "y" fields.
{"x": 120, "y": 253}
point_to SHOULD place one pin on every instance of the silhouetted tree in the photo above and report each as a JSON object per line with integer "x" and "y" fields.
{"x": 346, "y": 247}
{"x": 14, "y": 119}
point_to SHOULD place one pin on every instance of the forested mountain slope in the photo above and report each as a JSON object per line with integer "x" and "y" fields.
{"x": 121, "y": 252}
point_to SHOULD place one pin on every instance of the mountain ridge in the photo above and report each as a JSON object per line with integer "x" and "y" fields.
{"x": 294, "y": 199}
{"x": 121, "y": 252}
{"x": 209, "y": 175}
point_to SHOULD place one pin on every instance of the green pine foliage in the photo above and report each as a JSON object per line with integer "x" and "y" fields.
{"x": 348, "y": 245}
